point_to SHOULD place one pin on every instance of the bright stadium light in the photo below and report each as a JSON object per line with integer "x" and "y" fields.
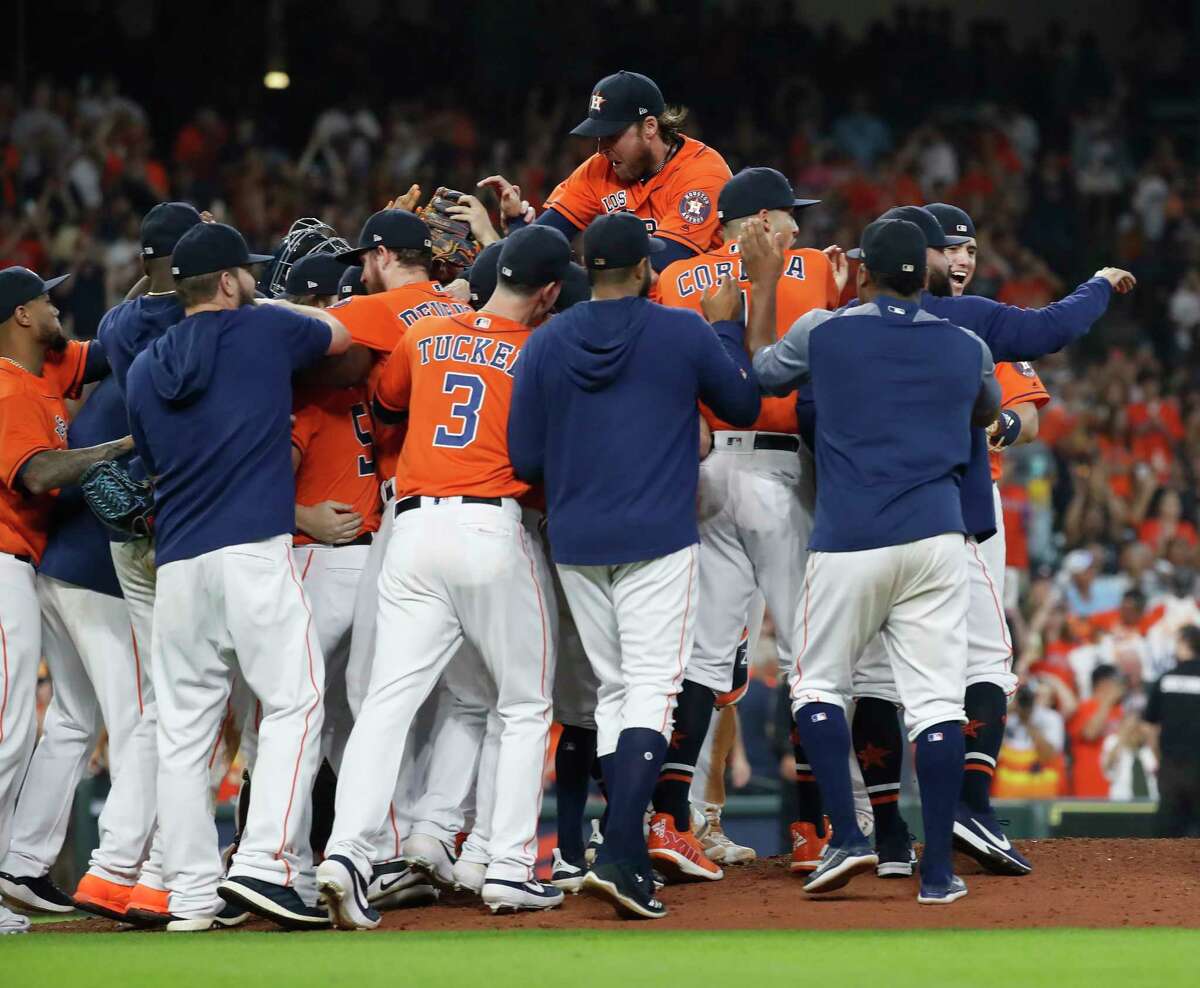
{"x": 276, "y": 79}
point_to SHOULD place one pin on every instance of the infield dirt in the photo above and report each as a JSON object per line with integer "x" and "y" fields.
{"x": 1075, "y": 883}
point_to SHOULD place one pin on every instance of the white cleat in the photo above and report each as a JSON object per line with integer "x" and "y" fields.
{"x": 394, "y": 885}
{"x": 343, "y": 891}
{"x": 11, "y": 922}
{"x": 566, "y": 876}
{"x": 468, "y": 876}
{"x": 513, "y": 897}
{"x": 431, "y": 857}
{"x": 594, "y": 842}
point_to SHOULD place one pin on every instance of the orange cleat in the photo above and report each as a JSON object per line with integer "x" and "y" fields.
{"x": 101, "y": 897}
{"x": 678, "y": 854}
{"x": 807, "y": 847}
{"x": 148, "y": 906}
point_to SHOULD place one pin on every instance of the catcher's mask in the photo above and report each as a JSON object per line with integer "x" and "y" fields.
{"x": 308, "y": 235}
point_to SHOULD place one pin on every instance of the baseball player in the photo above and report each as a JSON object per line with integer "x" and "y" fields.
{"x": 896, "y": 392}
{"x": 459, "y": 567}
{"x": 89, "y": 650}
{"x": 38, "y": 368}
{"x": 126, "y": 868}
{"x": 1012, "y": 334}
{"x": 643, "y": 164}
{"x": 621, "y": 508}
{"x": 756, "y": 499}
{"x": 209, "y": 407}
{"x": 395, "y": 254}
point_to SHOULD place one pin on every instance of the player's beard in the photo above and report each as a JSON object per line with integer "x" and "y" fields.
{"x": 57, "y": 343}
{"x": 245, "y": 295}
{"x": 939, "y": 283}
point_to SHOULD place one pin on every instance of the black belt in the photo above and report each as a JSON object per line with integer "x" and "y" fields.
{"x": 365, "y": 539}
{"x": 414, "y": 501}
{"x": 788, "y": 444}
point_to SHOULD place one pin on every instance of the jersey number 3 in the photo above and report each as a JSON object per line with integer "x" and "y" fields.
{"x": 465, "y": 413}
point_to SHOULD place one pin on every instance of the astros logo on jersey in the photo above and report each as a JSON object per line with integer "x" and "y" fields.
{"x": 695, "y": 206}
{"x": 60, "y": 427}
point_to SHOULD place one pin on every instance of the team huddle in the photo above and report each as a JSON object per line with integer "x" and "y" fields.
{"x": 378, "y": 528}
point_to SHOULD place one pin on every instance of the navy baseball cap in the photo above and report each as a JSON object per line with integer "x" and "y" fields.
{"x": 925, "y": 220}
{"x": 209, "y": 247}
{"x": 484, "y": 272}
{"x": 893, "y": 246}
{"x": 955, "y": 222}
{"x": 753, "y": 189}
{"x": 396, "y": 229}
{"x": 576, "y": 288}
{"x": 617, "y": 240}
{"x": 350, "y": 283}
{"x": 164, "y": 225}
{"x": 619, "y": 100}
{"x": 315, "y": 274}
{"x": 19, "y": 286}
{"x": 535, "y": 256}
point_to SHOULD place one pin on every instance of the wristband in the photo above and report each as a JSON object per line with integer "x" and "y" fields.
{"x": 1010, "y": 429}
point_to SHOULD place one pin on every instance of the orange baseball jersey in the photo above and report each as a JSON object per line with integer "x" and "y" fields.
{"x": 63, "y": 369}
{"x": 33, "y": 419}
{"x": 454, "y": 376}
{"x": 679, "y": 203}
{"x": 332, "y": 432}
{"x": 807, "y": 284}
{"x": 377, "y": 322}
{"x": 1019, "y": 383}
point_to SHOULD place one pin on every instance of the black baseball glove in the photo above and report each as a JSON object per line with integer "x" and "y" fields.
{"x": 122, "y": 503}
{"x": 454, "y": 245}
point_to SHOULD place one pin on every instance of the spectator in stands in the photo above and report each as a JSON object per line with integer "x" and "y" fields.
{"x": 1032, "y": 763}
{"x": 1172, "y": 717}
{"x": 1085, "y": 590}
{"x": 1094, "y": 719}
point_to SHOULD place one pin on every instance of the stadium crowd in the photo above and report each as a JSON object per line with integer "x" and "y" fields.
{"x": 1101, "y": 511}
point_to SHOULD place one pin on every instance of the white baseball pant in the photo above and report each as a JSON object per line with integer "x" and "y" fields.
{"x": 237, "y": 609}
{"x": 97, "y": 678}
{"x": 134, "y": 854}
{"x": 637, "y": 623}
{"x": 755, "y": 512}
{"x": 476, "y": 848}
{"x": 21, "y": 637}
{"x": 914, "y": 596}
{"x": 455, "y": 572}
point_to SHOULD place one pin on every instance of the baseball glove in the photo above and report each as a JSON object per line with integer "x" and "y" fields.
{"x": 454, "y": 246}
{"x": 120, "y": 502}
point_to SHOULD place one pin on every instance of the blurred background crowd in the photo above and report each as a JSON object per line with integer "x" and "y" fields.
{"x": 1068, "y": 153}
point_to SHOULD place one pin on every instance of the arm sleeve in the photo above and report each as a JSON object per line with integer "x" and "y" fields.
{"x": 674, "y": 251}
{"x": 1013, "y": 333}
{"x": 305, "y": 339}
{"x": 96, "y": 366}
{"x": 559, "y": 221}
{"x": 23, "y": 434}
{"x": 527, "y": 415}
{"x": 726, "y": 380}
{"x": 1020, "y": 383}
{"x": 783, "y": 366}
{"x": 394, "y": 389}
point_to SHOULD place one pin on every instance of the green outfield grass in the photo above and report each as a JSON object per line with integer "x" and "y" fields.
{"x": 620, "y": 959}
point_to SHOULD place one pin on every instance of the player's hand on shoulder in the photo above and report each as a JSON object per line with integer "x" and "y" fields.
{"x": 512, "y": 206}
{"x": 1122, "y": 281}
{"x": 330, "y": 521}
{"x": 722, "y": 302}
{"x": 840, "y": 265}
{"x": 459, "y": 288}
{"x": 472, "y": 212}
{"x": 764, "y": 255}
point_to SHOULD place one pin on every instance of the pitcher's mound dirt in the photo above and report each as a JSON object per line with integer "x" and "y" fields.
{"x": 1090, "y": 883}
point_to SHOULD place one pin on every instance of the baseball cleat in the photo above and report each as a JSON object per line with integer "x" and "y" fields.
{"x": 980, "y": 836}
{"x": 229, "y": 917}
{"x": 101, "y": 897}
{"x": 39, "y": 893}
{"x": 394, "y": 885}
{"x": 512, "y": 897}
{"x": 677, "y": 853}
{"x": 431, "y": 857}
{"x": 940, "y": 895}
{"x": 594, "y": 843}
{"x": 469, "y": 876}
{"x": 897, "y": 859}
{"x": 148, "y": 907}
{"x": 839, "y": 865}
{"x": 808, "y": 846}
{"x": 564, "y": 875}
{"x": 11, "y": 922}
{"x": 344, "y": 892}
{"x": 627, "y": 887}
{"x": 278, "y": 903}
{"x": 715, "y": 843}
